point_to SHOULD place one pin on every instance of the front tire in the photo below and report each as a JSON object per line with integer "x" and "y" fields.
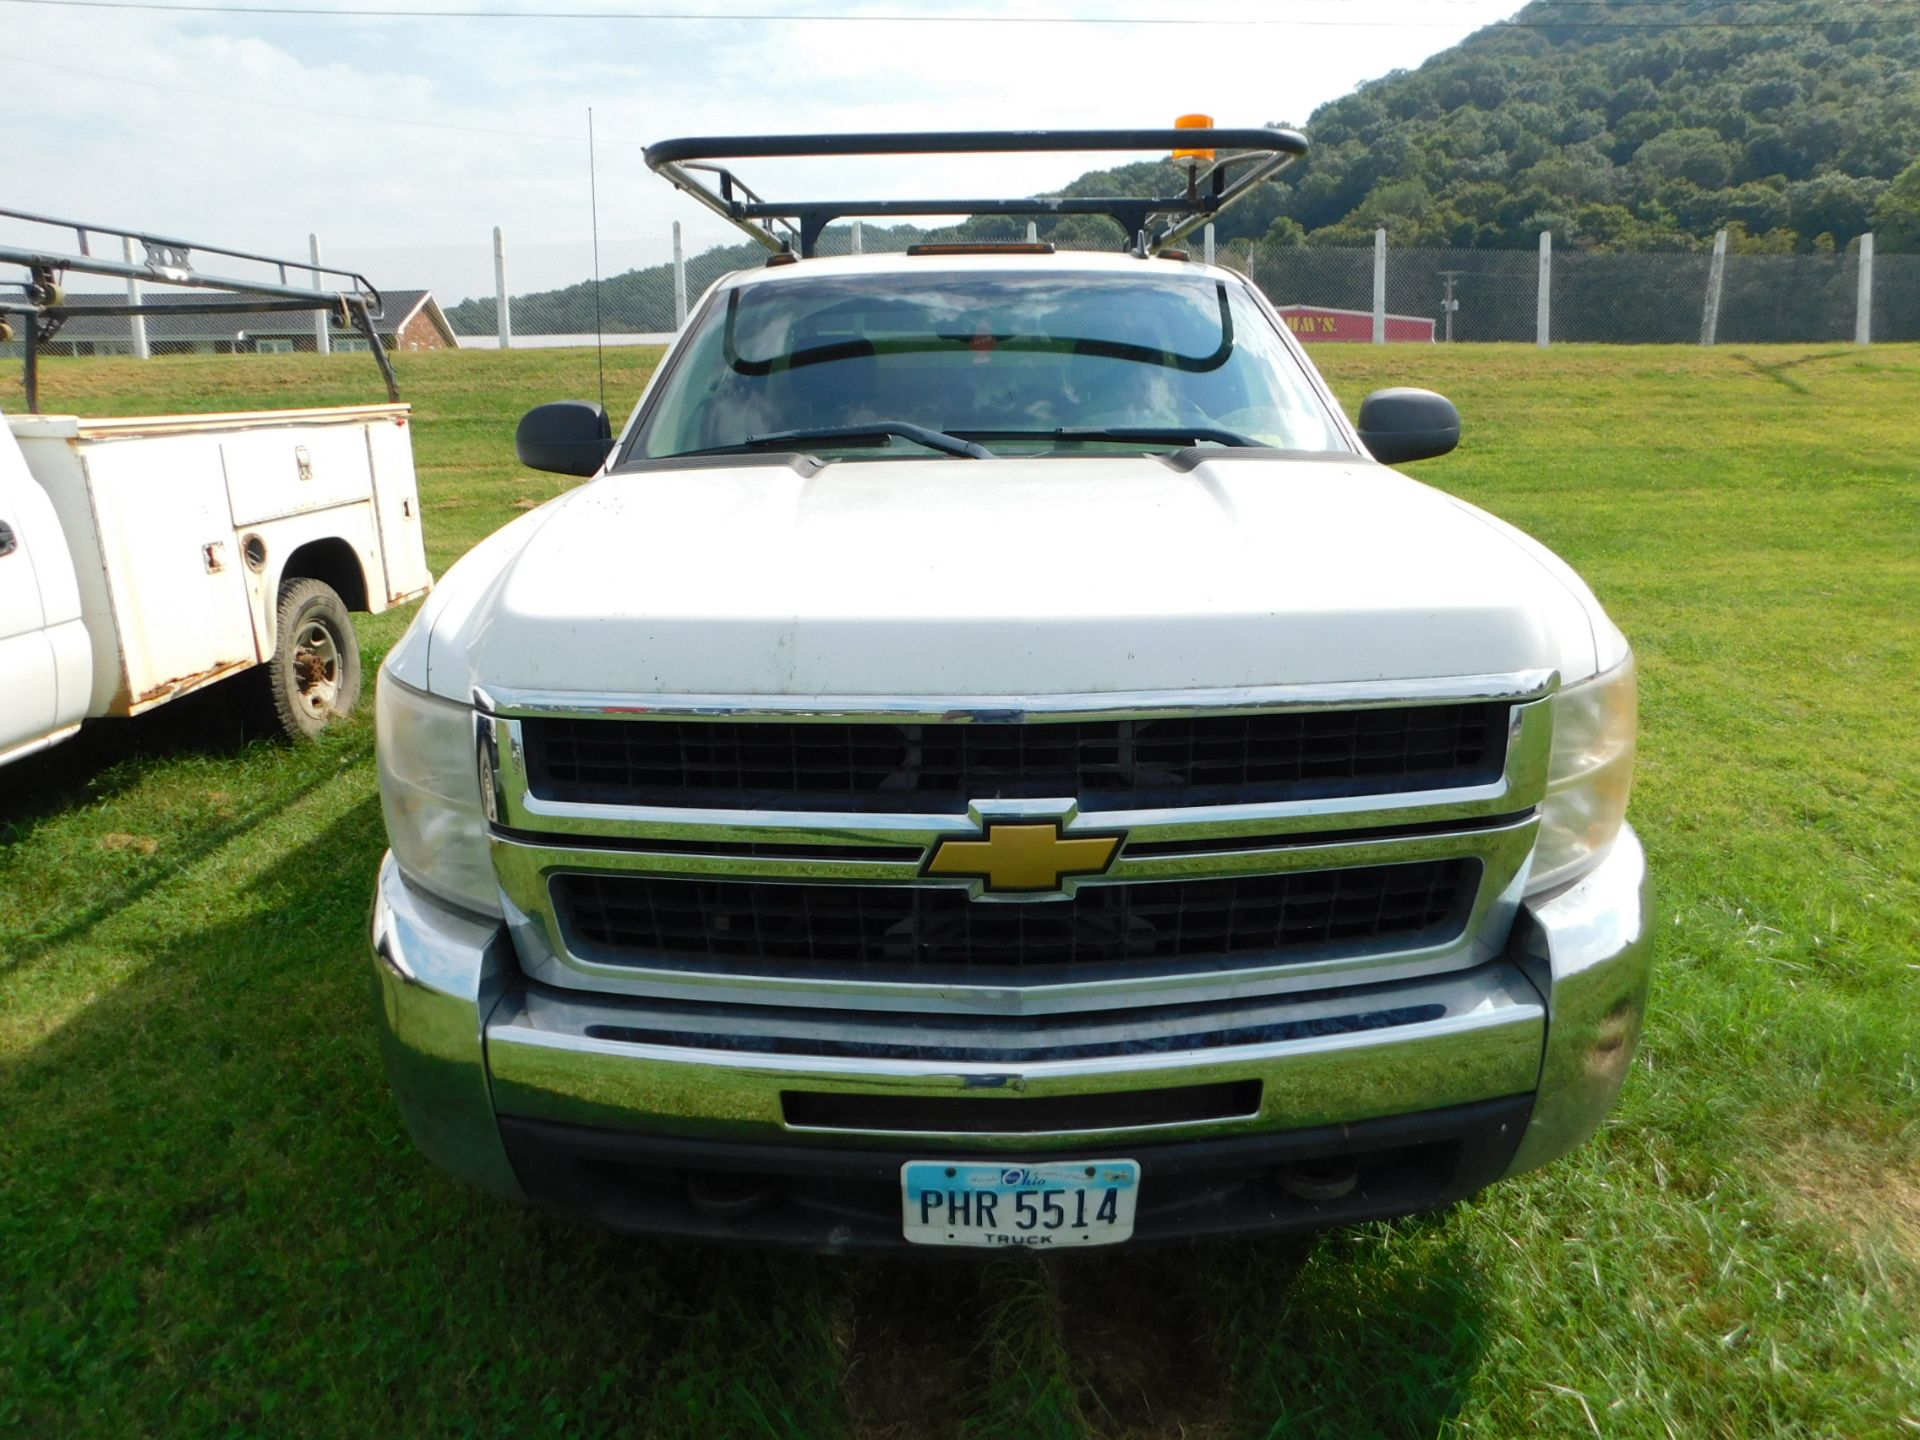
{"x": 314, "y": 675}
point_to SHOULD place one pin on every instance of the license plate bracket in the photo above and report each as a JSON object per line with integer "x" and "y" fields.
{"x": 1055, "y": 1204}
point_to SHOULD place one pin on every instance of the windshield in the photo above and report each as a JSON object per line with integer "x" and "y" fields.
{"x": 1009, "y": 360}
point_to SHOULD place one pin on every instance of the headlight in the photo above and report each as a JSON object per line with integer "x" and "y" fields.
{"x": 1594, "y": 727}
{"x": 430, "y": 795}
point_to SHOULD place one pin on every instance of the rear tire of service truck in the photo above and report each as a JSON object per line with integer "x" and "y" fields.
{"x": 314, "y": 674}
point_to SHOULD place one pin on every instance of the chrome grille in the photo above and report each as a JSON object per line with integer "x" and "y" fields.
{"x": 905, "y": 930}
{"x": 779, "y": 850}
{"x": 1107, "y": 764}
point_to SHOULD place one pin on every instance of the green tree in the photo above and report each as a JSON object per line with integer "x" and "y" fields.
{"x": 1698, "y": 156}
{"x": 1837, "y": 205}
{"x": 1284, "y": 234}
{"x": 1896, "y": 218}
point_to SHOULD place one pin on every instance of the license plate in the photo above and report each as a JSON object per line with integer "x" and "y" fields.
{"x": 1061, "y": 1204}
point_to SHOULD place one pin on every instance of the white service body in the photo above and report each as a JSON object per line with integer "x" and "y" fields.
{"x": 147, "y": 553}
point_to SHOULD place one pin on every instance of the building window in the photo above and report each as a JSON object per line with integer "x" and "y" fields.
{"x": 349, "y": 343}
{"x": 274, "y": 345}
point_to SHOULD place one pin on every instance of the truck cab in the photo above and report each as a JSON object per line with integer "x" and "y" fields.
{"x": 994, "y": 758}
{"x": 46, "y": 658}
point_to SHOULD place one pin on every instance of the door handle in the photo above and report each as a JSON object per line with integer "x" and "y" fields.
{"x": 8, "y": 542}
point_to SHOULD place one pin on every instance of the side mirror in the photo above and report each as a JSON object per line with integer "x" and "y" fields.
{"x": 1404, "y": 424}
{"x": 568, "y": 437}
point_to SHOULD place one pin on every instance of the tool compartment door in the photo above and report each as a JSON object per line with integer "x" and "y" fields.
{"x": 294, "y": 469}
{"x": 403, "y": 551}
{"x": 174, "y": 571}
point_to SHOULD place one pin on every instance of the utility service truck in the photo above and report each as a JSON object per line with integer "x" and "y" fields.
{"x": 995, "y": 758}
{"x": 145, "y": 557}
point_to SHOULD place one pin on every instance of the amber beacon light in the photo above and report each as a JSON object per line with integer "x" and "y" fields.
{"x": 1193, "y": 122}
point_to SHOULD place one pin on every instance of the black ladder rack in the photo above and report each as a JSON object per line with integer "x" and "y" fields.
{"x": 352, "y": 299}
{"x": 1245, "y": 158}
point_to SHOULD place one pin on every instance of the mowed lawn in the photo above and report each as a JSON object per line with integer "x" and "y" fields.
{"x": 211, "y": 1222}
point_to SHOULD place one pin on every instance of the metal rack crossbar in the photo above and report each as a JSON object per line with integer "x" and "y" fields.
{"x": 1226, "y": 164}
{"x": 353, "y": 300}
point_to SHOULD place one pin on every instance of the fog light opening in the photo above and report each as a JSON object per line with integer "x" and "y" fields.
{"x": 1329, "y": 1177}
{"x": 722, "y": 1196}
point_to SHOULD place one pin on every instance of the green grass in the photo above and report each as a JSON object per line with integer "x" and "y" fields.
{"x": 211, "y": 1222}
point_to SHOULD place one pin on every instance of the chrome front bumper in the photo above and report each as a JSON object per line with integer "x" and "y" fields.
{"x": 469, "y": 1041}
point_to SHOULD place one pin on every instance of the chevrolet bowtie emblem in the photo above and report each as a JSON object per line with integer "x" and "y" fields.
{"x": 1017, "y": 857}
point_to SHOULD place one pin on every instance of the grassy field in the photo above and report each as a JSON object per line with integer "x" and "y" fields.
{"x": 212, "y": 1224}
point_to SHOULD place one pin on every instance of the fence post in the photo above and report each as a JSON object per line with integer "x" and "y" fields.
{"x": 1863, "y": 296}
{"x": 680, "y": 277}
{"x": 138, "y": 323}
{"x": 322, "y": 322}
{"x": 1716, "y": 278}
{"x": 502, "y": 310}
{"x": 1208, "y": 234}
{"x": 1543, "y": 314}
{"x": 1380, "y": 286}
{"x": 859, "y": 240}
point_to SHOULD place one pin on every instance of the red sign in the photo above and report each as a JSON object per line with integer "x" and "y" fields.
{"x": 1316, "y": 322}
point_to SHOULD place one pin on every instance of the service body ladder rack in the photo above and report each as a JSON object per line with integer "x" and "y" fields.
{"x": 1254, "y": 154}
{"x": 353, "y": 300}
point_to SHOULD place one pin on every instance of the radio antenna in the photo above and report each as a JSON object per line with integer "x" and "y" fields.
{"x": 593, "y": 202}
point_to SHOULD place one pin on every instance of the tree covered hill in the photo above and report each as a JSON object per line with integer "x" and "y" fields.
{"x": 1616, "y": 124}
{"x": 1632, "y": 124}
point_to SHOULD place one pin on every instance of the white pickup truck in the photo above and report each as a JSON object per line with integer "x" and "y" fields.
{"x": 146, "y": 557}
{"x": 994, "y": 758}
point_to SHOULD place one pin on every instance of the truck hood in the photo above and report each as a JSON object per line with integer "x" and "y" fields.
{"x": 1002, "y": 578}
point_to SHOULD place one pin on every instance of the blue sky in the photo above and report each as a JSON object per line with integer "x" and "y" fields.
{"x": 402, "y": 142}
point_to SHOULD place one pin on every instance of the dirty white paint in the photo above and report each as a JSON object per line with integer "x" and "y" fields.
{"x": 136, "y": 550}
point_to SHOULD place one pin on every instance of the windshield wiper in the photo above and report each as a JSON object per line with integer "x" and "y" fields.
{"x": 1134, "y": 434}
{"x": 873, "y": 432}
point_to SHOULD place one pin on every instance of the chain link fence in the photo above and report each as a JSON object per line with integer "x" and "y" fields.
{"x": 1604, "y": 298}
{"x": 1896, "y": 297}
{"x": 1468, "y": 296}
{"x": 446, "y": 294}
